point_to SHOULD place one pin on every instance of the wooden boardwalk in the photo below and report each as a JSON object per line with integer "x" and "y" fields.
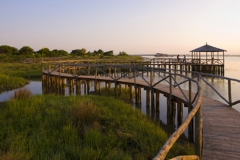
{"x": 221, "y": 131}
{"x": 221, "y": 123}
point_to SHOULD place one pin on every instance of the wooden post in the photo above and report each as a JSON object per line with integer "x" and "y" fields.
{"x": 96, "y": 86}
{"x": 147, "y": 70}
{"x": 130, "y": 91}
{"x": 95, "y": 82}
{"x": 106, "y": 86}
{"x": 135, "y": 85}
{"x": 120, "y": 89}
{"x": 170, "y": 92}
{"x": 85, "y": 86}
{"x": 139, "y": 99}
{"x": 190, "y": 126}
{"x": 180, "y": 113}
{"x": 63, "y": 86}
{"x": 168, "y": 111}
{"x": 198, "y": 133}
{"x": 157, "y": 102}
{"x": 109, "y": 72}
{"x": 173, "y": 114}
{"x": 77, "y": 87}
{"x": 229, "y": 93}
{"x": 115, "y": 73}
{"x": 70, "y": 87}
{"x": 115, "y": 88}
{"x": 126, "y": 88}
{"x": 152, "y": 90}
{"x": 147, "y": 98}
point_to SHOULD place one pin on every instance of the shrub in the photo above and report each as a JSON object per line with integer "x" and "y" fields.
{"x": 21, "y": 94}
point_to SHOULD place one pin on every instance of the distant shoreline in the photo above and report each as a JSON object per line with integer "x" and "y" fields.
{"x": 172, "y": 55}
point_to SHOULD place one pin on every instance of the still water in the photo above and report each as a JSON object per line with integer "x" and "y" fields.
{"x": 231, "y": 70}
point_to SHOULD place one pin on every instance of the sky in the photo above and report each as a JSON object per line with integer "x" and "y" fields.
{"x": 133, "y": 26}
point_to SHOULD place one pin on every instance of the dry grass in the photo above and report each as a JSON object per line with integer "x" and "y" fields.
{"x": 21, "y": 94}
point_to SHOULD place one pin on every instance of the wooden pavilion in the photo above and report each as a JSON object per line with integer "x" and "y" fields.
{"x": 208, "y": 59}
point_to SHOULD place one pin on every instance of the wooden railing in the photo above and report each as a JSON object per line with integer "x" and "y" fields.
{"x": 202, "y": 61}
{"x": 228, "y": 100}
{"x": 136, "y": 72}
{"x": 116, "y": 73}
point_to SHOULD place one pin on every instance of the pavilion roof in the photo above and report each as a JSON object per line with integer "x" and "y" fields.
{"x": 208, "y": 48}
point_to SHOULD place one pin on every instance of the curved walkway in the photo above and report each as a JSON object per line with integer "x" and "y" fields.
{"x": 221, "y": 123}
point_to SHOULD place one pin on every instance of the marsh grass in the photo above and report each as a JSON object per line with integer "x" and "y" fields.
{"x": 11, "y": 82}
{"x": 21, "y": 69}
{"x": 125, "y": 94}
{"x": 78, "y": 127}
{"x": 21, "y": 94}
{"x": 14, "y": 75}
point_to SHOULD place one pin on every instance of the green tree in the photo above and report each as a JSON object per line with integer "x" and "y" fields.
{"x": 98, "y": 52}
{"x": 26, "y": 50}
{"x": 5, "y": 49}
{"x": 79, "y": 52}
{"x": 57, "y": 53}
{"x": 89, "y": 53}
{"x": 108, "y": 53}
{"x": 123, "y": 53}
{"x": 45, "y": 52}
{"x": 62, "y": 53}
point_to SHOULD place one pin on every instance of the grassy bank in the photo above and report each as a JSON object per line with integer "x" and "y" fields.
{"x": 22, "y": 70}
{"x": 15, "y": 75}
{"x": 11, "y": 82}
{"x": 74, "y": 127}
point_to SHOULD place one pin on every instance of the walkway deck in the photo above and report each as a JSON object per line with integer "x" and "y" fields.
{"x": 221, "y": 131}
{"x": 221, "y": 123}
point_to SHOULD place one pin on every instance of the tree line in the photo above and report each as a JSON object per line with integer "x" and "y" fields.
{"x": 45, "y": 52}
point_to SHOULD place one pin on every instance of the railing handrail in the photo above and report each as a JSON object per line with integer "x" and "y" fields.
{"x": 200, "y": 75}
{"x": 174, "y": 137}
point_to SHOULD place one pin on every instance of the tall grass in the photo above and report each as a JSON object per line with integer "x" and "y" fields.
{"x": 11, "y": 82}
{"x": 21, "y": 70}
{"x": 125, "y": 94}
{"x": 21, "y": 94}
{"x": 13, "y": 75}
{"x": 87, "y": 127}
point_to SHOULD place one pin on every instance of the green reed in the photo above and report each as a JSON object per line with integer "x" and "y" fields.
{"x": 78, "y": 127}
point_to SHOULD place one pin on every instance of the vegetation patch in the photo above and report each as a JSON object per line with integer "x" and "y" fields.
{"x": 21, "y": 70}
{"x": 78, "y": 127}
{"x": 21, "y": 94}
{"x": 10, "y": 82}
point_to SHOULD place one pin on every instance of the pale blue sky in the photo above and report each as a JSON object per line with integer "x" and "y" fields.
{"x": 133, "y": 26}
